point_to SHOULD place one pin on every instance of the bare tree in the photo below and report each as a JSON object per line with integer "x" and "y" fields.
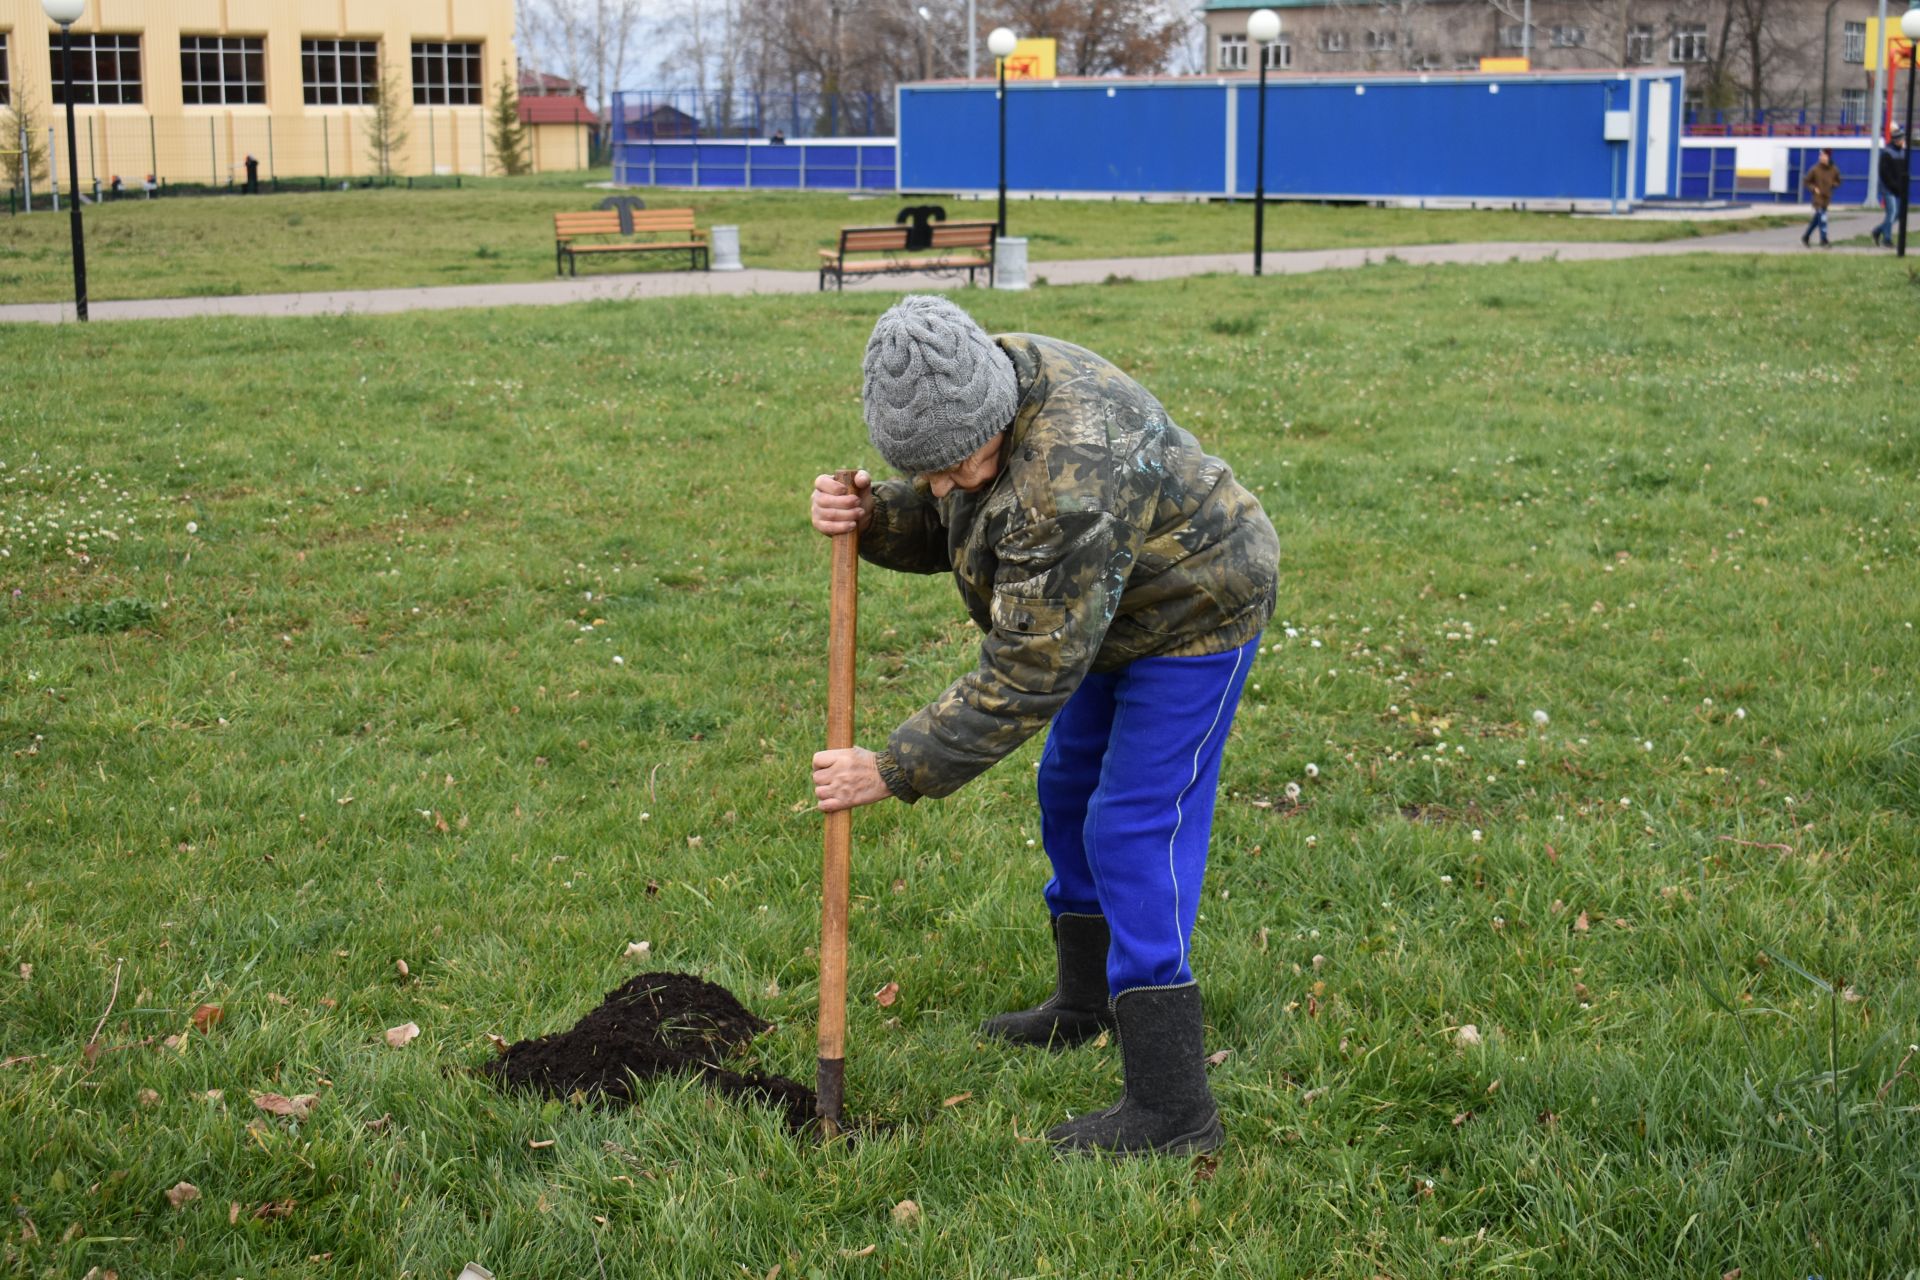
{"x": 1100, "y": 37}
{"x": 590, "y": 42}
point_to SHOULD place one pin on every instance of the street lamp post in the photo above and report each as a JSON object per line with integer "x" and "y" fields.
{"x": 65, "y": 13}
{"x": 1910, "y": 28}
{"x": 1263, "y": 28}
{"x": 1000, "y": 43}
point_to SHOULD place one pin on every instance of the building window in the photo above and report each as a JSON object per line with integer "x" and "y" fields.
{"x": 1853, "y": 47}
{"x": 1513, "y": 36}
{"x": 1695, "y": 106}
{"x": 1853, "y": 106}
{"x": 1569, "y": 37}
{"x": 1279, "y": 54}
{"x": 1639, "y": 45}
{"x": 222, "y": 71}
{"x": 1232, "y": 54}
{"x": 340, "y": 73}
{"x": 1333, "y": 41}
{"x": 1377, "y": 40}
{"x": 6, "y": 76}
{"x": 446, "y": 75}
{"x": 106, "y": 70}
{"x": 1688, "y": 43}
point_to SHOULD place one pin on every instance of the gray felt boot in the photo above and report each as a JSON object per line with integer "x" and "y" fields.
{"x": 1077, "y": 1010}
{"x": 1166, "y": 1108}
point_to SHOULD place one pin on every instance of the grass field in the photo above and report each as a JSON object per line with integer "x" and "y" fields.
{"x": 501, "y": 229}
{"x": 493, "y": 647}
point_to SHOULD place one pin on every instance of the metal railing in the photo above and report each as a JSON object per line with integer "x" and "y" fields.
{"x": 687, "y": 115}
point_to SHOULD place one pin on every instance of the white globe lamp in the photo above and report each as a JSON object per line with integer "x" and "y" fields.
{"x": 1001, "y": 42}
{"x": 1263, "y": 26}
{"x": 64, "y": 13}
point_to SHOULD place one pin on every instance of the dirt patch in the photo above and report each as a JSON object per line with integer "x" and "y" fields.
{"x": 653, "y": 1025}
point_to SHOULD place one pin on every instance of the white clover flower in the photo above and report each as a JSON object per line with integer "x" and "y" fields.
{"x": 1293, "y": 791}
{"x": 619, "y": 661}
{"x": 1540, "y": 718}
{"x": 1313, "y": 771}
{"x": 1446, "y": 879}
{"x": 1477, "y": 836}
{"x": 1739, "y": 713}
{"x": 1625, "y": 803}
{"x": 193, "y": 526}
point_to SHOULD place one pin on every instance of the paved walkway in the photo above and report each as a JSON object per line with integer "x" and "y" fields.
{"x": 662, "y": 284}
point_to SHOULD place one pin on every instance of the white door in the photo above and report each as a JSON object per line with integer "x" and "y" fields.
{"x": 1659, "y": 137}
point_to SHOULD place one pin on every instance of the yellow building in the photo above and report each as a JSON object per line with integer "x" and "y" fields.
{"x": 188, "y": 89}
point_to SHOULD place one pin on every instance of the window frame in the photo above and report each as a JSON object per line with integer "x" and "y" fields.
{"x": 1230, "y": 51}
{"x": 430, "y": 54}
{"x": 1854, "y": 106}
{"x": 1687, "y": 43}
{"x": 1278, "y": 54}
{"x": 1641, "y": 40}
{"x": 1514, "y": 36}
{"x": 1567, "y": 37}
{"x": 6, "y": 69}
{"x": 86, "y": 55}
{"x": 1333, "y": 40}
{"x": 1380, "y": 40}
{"x": 314, "y": 88}
{"x": 199, "y": 48}
{"x": 1853, "y": 43}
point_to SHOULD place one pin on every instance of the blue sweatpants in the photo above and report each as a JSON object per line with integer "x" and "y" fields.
{"x": 1127, "y": 784}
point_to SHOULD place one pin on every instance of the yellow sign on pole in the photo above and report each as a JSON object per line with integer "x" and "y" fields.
{"x": 1899, "y": 48}
{"x": 1033, "y": 59}
{"x": 1505, "y": 66}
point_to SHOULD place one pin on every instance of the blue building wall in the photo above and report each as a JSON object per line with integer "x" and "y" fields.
{"x": 1535, "y": 137}
{"x": 805, "y": 164}
{"x": 1707, "y": 170}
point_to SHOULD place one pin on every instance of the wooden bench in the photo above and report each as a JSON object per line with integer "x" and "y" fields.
{"x": 569, "y": 227}
{"x": 956, "y": 246}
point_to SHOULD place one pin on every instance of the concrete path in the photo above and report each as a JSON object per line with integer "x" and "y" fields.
{"x": 662, "y": 284}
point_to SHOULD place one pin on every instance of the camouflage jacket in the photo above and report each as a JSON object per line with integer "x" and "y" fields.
{"x": 1108, "y": 535}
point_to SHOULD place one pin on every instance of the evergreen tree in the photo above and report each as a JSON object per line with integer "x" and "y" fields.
{"x": 23, "y": 112}
{"x": 508, "y": 132}
{"x": 386, "y": 123}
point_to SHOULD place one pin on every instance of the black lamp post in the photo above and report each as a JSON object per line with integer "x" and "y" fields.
{"x": 1263, "y": 28}
{"x": 1910, "y": 28}
{"x": 65, "y": 13}
{"x": 1000, "y": 43}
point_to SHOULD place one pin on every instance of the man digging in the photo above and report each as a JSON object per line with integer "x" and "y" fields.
{"x": 1122, "y": 578}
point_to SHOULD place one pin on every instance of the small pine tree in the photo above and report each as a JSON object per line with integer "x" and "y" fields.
{"x": 508, "y": 131}
{"x": 386, "y": 123}
{"x": 23, "y": 111}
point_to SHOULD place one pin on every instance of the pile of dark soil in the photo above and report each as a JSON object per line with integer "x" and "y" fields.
{"x": 656, "y": 1024}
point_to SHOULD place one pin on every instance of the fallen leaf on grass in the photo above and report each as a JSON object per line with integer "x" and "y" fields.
{"x": 859, "y": 1253}
{"x": 215, "y": 1095}
{"x": 1467, "y": 1036}
{"x": 400, "y": 966}
{"x": 182, "y": 1193}
{"x": 499, "y": 1043}
{"x": 1218, "y": 1056}
{"x": 1581, "y": 923}
{"x": 279, "y": 999}
{"x": 540, "y": 1144}
{"x": 147, "y": 1098}
{"x": 886, "y": 995}
{"x": 401, "y": 1036}
{"x": 1730, "y": 1275}
{"x": 638, "y": 950}
{"x": 277, "y": 1104}
{"x": 26, "y": 973}
{"x": 96, "y": 1273}
{"x": 1205, "y": 1165}
{"x": 233, "y": 1212}
{"x": 273, "y": 1209}
{"x": 377, "y": 1125}
{"x": 1102, "y": 1040}
{"x": 956, "y": 1099}
{"x": 906, "y": 1214}
{"x": 1462, "y": 1118}
{"x": 207, "y": 1017}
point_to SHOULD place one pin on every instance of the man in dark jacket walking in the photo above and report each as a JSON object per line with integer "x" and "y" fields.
{"x": 1822, "y": 179}
{"x": 1893, "y": 184}
{"x": 1121, "y": 577}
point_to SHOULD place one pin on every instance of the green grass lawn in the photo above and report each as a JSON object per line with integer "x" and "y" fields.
{"x": 491, "y": 646}
{"x": 498, "y": 230}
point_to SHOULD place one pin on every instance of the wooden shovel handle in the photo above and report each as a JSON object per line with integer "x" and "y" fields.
{"x": 836, "y": 868}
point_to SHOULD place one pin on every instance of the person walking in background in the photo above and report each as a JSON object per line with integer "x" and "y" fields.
{"x": 1893, "y": 184}
{"x": 1821, "y": 180}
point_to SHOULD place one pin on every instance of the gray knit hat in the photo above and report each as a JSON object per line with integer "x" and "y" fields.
{"x": 936, "y": 386}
